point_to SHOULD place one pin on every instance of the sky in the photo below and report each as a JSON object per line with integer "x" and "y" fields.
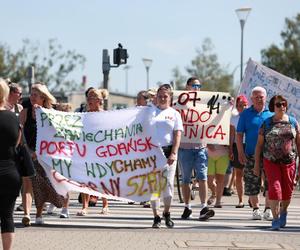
{"x": 166, "y": 31}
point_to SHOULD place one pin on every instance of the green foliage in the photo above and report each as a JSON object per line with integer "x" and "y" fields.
{"x": 52, "y": 65}
{"x": 206, "y": 67}
{"x": 286, "y": 58}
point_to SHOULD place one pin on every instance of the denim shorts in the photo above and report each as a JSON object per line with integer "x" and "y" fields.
{"x": 193, "y": 159}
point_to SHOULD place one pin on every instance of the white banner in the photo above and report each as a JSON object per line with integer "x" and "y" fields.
{"x": 109, "y": 153}
{"x": 275, "y": 84}
{"x": 205, "y": 116}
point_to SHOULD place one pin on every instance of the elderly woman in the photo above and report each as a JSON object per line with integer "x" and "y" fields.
{"x": 169, "y": 128}
{"x": 40, "y": 184}
{"x": 95, "y": 100}
{"x": 10, "y": 180}
{"x": 279, "y": 141}
{"x": 15, "y": 94}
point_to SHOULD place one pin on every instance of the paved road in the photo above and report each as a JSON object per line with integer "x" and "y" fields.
{"x": 129, "y": 227}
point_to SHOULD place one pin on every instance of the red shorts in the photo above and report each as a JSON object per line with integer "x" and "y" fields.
{"x": 281, "y": 179}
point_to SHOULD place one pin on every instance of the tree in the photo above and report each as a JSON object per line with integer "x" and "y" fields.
{"x": 285, "y": 58}
{"x": 206, "y": 67}
{"x": 52, "y": 65}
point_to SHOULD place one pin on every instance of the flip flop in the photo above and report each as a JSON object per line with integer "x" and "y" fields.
{"x": 240, "y": 205}
{"x": 211, "y": 200}
{"x": 81, "y": 213}
{"x": 218, "y": 206}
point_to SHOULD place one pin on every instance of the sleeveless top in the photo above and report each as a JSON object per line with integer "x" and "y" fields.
{"x": 30, "y": 130}
{"x": 280, "y": 140}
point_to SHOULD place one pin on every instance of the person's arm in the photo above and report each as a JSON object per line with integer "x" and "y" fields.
{"x": 240, "y": 148}
{"x": 175, "y": 146}
{"x": 258, "y": 150}
{"x": 298, "y": 148}
{"x": 231, "y": 141}
{"x": 23, "y": 116}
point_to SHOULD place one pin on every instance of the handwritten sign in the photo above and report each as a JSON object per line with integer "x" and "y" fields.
{"x": 205, "y": 116}
{"x": 274, "y": 83}
{"x": 108, "y": 154}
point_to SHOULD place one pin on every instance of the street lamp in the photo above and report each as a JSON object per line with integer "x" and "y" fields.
{"x": 126, "y": 68}
{"x": 147, "y": 63}
{"x": 242, "y": 14}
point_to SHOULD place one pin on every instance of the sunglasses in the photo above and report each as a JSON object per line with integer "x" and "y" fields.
{"x": 196, "y": 86}
{"x": 280, "y": 104}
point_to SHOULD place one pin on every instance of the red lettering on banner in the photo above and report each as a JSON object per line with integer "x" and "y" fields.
{"x": 60, "y": 179}
{"x": 193, "y": 116}
{"x": 62, "y": 147}
{"x": 207, "y": 131}
{"x": 114, "y": 187}
{"x": 201, "y": 131}
{"x": 220, "y": 132}
{"x": 139, "y": 145}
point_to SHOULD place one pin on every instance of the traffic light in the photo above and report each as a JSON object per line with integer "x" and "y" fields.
{"x": 120, "y": 55}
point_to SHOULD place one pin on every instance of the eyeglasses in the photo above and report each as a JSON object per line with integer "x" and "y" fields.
{"x": 280, "y": 104}
{"x": 196, "y": 86}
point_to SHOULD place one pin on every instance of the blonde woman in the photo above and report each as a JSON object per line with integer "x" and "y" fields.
{"x": 95, "y": 100}
{"x": 39, "y": 185}
{"x": 10, "y": 180}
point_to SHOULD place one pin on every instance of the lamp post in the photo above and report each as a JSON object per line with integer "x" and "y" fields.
{"x": 242, "y": 14}
{"x": 126, "y": 68}
{"x": 147, "y": 63}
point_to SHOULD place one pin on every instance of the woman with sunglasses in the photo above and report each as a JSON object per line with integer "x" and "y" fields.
{"x": 279, "y": 141}
{"x": 15, "y": 94}
{"x": 168, "y": 128}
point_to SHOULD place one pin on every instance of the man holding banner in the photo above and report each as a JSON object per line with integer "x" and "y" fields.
{"x": 193, "y": 157}
{"x": 249, "y": 123}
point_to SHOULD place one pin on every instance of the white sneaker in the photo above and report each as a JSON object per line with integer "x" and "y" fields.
{"x": 256, "y": 215}
{"x": 39, "y": 221}
{"x": 51, "y": 208}
{"x": 268, "y": 214}
{"x": 64, "y": 213}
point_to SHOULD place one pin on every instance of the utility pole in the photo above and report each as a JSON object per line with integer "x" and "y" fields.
{"x": 120, "y": 57}
{"x": 30, "y": 77}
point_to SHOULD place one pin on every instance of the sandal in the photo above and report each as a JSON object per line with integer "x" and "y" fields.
{"x": 211, "y": 200}
{"x": 240, "y": 205}
{"x": 82, "y": 213}
{"x": 218, "y": 206}
{"x": 105, "y": 211}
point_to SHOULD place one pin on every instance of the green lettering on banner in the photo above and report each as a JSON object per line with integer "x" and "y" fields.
{"x": 62, "y": 164}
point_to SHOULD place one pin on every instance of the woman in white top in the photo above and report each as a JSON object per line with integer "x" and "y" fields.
{"x": 168, "y": 128}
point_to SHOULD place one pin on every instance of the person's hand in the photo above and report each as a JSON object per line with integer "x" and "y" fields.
{"x": 256, "y": 170}
{"x": 242, "y": 158}
{"x": 231, "y": 155}
{"x": 33, "y": 156}
{"x": 171, "y": 159}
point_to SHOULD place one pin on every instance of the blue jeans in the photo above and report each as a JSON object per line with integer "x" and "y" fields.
{"x": 193, "y": 159}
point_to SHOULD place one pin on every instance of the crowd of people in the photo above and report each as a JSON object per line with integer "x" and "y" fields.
{"x": 263, "y": 149}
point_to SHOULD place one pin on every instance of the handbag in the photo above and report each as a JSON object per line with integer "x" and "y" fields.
{"x": 24, "y": 161}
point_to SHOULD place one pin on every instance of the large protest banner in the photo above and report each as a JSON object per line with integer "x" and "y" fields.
{"x": 275, "y": 83}
{"x": 205, "y": 116}
{"x": 110, "y": 154}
